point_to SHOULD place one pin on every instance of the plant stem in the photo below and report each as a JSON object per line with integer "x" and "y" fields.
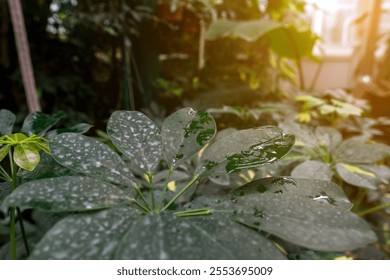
{"x": 194, "y": 212}
{"x": 143, "y": 198}
{"x": 165, "y": 189}
{"x": 24, "y": 236}
{"x": 179, "y": 194}
{"x": 12, "y": 232}
{"x": 150, "y": 180}
{"x": 143, "y": 208}
{"x": 374, "y": 209}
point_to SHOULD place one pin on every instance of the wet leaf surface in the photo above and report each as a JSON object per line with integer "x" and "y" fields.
{"x": 244, "y": 149}
{"x": 184, "y": 133}
{"x": 315, "y": 217}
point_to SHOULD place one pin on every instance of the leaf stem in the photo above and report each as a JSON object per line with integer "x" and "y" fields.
{"x": 180, "y": 193}
{"x": 194, "y": 212}
{"x": 5, "y": 175}
{"x": 165, "y": 188}
{"x": 142, "y": 207}
{"x": 12, "y": 231}
{"x": 374, "y": 209}
{"x": 141, "y": 195}
{"x": 150, "y": 181}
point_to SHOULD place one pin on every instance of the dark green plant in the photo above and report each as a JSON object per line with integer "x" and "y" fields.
{"x": 24, "y": 151}
{"x": 120, "y": 210}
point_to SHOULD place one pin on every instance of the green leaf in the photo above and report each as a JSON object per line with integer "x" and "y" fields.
{"x": 328, "y": 137}
{"x": 7, "y": 121}
{"x": 136, "y": 136}
{"x": 250, "y": 30}
{"x": 356, "y": 175}
{"x": 91, "y": 157}
{"x": 309, "y": 213}
{"x": 26, "y": 156}
{"x": 4, "y": 151}
{"x": 85, "y": 236}
{"x": 39, "y": 123}
{"x": 313, "y": 169}
{"x": 184, "y": 133}
{"x": 244, "y": 149}
{"x": 356, "y": 151}
{"x": 169, "y": 237}
{"x": 67, "y": 193}
{"x": 301, "y": 42}
{"x": 5, "y": 190}
{"x": 78, "y": 128}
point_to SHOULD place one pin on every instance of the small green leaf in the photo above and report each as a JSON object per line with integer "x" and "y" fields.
{"x": 5, "y": 190}
{"x": 313, "y": 169}
{"x": 26, "y": 156}
{"x": 68, "y": 193}
{"x": 356, "y": 175}
{"x": 184, "y": 133}
{"x": 4, "y": 151}
{"x": 244, "y": 149}
{"x": 7, "y": 121}
{"x": 356, "y": 151}
{"x": 18, "y": 137}
{"x": 137, "y": 137}
{"x": 39, "y": 123}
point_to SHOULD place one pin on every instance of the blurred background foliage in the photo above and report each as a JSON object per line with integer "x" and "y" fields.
{"x": 92, "y": 57}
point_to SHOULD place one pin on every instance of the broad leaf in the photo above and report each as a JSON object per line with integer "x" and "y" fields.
{"x": 7, "y": 121}
{"x": 328, "y": 136}
{"x": 68, "y": 193}
{"x": 91, "y": 157}
{"x": 301, "y": 42}
{"x": 26, "y": 156}
{"x": 313, "y": 169}
{"x": 319, "y": 221}
{"x": 184, "y": 133}
{"x": 84, "y": 236}
{"x": 136, "y": 136}
{"x": 5, "y": 190}
{"x": 244, "y": 149}
{"x": 78, "y": 128}
{"x": 4, "y": 151}
{"x": 357, "y": 175}
{"x": 169, "y": 237}
{"x": 354, "y": 150}
{"x": 250, "y": 30}
{"x": 39, "y": 123}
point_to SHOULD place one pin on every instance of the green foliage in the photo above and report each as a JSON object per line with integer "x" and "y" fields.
{"x": 29, "y": 159}
{"x": 120, "y": 211}
{"x": 354, "y": 160}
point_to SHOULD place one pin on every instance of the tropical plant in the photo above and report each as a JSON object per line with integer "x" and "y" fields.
{"x": 24, "y": 149}
{"x": 138, "y": 204}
